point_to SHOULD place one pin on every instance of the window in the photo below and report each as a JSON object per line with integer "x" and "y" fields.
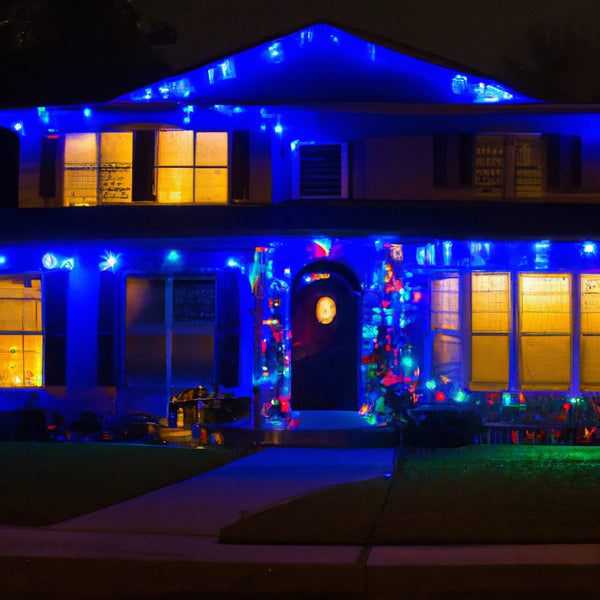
{"x": 545, "y": 331}
{"x": 188, "y": 167}
{"x": 191, "y": 167}
{"x": 170, "y": 328}
{"x": 509, "y": 166}
{"x": 589, "y": 345}
{"x": 84, "y": 181}
{"x": 21, "y": 337}
{"x": 490, "y": 331}
{"x": 445, "y": 323}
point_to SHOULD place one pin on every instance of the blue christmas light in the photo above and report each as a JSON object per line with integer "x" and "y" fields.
{"x": 589, "y": 249}
{"x": 50, "y": 261}
{"x": 109, "y": 261}
{"x": 87, "y": 112}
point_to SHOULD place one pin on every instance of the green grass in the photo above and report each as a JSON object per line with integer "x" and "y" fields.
{"x": 41, "y": 484}
{"x": 475, "y": 495}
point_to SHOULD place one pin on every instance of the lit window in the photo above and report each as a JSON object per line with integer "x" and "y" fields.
{"x": 21, "y": 339}
{"x": 545, "y": 331}
{"x": 589, "y": 359}
{"x": 490, "y": 328}
{"x": 191, "y": 167}
{"x": 84, "y": 181}
{"x": 445, "y": 322}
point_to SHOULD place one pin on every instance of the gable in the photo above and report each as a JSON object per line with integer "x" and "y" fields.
{"x": 322, "y": 63}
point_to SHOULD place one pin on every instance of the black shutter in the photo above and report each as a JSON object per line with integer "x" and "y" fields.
{"x": 465, "y": 159}
{"x": 107, "y": 315}
{"x": 240, "y": 166}
{"x": 228, "y": 330}
{"x": 55, "y": 327}
{"x": 143, "y": 166}
{"x": 576, "y": 161}
{"x": 9, "y": 168}
{"x": 47, "y": 187}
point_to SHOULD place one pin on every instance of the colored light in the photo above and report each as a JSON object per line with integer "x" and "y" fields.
{"x": 173, "y": 256}
{"x": 87, "y": 112}
{"x": 461, "y": 396}
{"x": 18, "y": 127}
{"x": 325, "y": 310}
{"x": 589, "y": 249}
{"x": 275, "y": 52}
{"x": 407, "y": 362}
{"x": 430, "y": 384}
{"x": 2, "y": 259}
{"x": 278, "y": 128}
{"x": 68, "y": 264}
{"x": 109, "y": 261}
{"x": 506, "y": 399}
{"x": 49, "y": 261}
{"x": 440, "y": 396}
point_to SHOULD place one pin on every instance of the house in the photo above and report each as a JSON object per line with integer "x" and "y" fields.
{"x": 318, "y": 220}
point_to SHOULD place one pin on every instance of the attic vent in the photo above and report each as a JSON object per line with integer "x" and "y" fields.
{"x": 321, "y": 171}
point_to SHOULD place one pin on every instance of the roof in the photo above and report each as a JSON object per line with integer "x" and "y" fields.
{"x": 323, "y": 63}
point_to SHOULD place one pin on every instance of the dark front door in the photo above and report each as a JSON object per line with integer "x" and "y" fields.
{"x": 325, "y": 350}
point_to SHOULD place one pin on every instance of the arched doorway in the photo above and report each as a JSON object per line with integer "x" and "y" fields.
{"x": 325, "y": 337}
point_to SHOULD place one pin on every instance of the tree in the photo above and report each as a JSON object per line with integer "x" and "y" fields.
{"x": 73, "y": 51}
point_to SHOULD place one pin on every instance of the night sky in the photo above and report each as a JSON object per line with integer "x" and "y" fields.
{"x": 475, "y": 33}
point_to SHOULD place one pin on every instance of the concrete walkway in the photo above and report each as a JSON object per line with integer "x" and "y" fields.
{"x": 179, "y": 524}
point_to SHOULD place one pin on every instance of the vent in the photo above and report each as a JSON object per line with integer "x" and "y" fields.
{"x": 321, "y": 171}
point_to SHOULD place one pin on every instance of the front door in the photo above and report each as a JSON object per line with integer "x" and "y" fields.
{"x": 325, "y": 343}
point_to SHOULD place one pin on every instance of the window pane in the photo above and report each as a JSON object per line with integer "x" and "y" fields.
{"x": 193, "y": 360}
{"x": 444, "y": 304}
{"x": 211, "y": 149}
{"x": 174, "y": 185}
{"x": 194, "y": 302}
{"x": 81, "y": 169}
{"x": 489, "y": 362}
{"x": 590, "y": 304}
{"x": 145, "y": 359}
{"x": 446, "y": 357}
{"x": 590, "y": 362}
{"x": 175, "y": 148}
{"x": 116, "y": 161}
{"x": 490, "y": 302}
{"x": 211, "y": 186}
{"x": 33, "y": 360}
{"x": 545, "y": 304}
{"x": 145, "y": 303}
{"x": 546, "y": 362}
{"x": 11, "y": 361}
{"x": 20, "y": 304}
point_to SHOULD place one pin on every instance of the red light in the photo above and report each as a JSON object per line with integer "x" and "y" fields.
{"x": 51, "y": 137}
{"x": 417, "y": 296}
{"x": 440, "y": 396}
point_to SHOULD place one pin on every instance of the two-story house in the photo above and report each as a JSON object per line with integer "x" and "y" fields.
{"x": 319, "y": 218}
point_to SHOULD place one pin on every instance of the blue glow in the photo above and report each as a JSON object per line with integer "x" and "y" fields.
{"x": 18, "y": 127}
{"x": 109, "y": 261}
{"x": 275, "y": 52}
{"x": 278, "y": 128}
{"x": 407, "y": 361}
{"x": 173, "y": 256}
{"x": 430, "y": 384}
{"x": 234, "y": 263}
{"x": 68, "y": 264}
{"x": 2, "y": 259}
{"x": 187, "y": 111}
{"x": 50, "y": 261}
{"x": 589, "y": 249}
{"x": 460, "y": 396}
{"x": 324, "y": 63}
{"x": 87, "y": 112}
{"x": 43, "y": 115}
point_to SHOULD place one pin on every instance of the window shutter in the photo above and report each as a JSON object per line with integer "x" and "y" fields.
{"x": 143, "y": 166}
{"x": 9, "y": 169}
{"x": 106, "y": 329}
{"x": 55, "y": 327}
{"x": 47, "y": 188}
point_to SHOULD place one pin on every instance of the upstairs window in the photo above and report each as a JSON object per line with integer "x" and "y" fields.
{"x": 182, "y": 167}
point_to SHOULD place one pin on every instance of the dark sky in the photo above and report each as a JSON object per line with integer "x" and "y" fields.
{"x": 475, "y": 33}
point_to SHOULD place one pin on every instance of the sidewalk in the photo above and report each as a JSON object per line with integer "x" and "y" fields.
{"x": 164, "y": 544}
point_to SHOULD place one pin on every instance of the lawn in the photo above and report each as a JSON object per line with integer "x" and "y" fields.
{"x": 472, "y": 495}
{"x": 43, "y": 484}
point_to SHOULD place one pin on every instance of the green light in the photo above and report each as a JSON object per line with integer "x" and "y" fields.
{"x": 430, "y": 384}
{"x": 461, "y": 396}
{"x": 506, "y": 399}
{"x": 407, "y": 362}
